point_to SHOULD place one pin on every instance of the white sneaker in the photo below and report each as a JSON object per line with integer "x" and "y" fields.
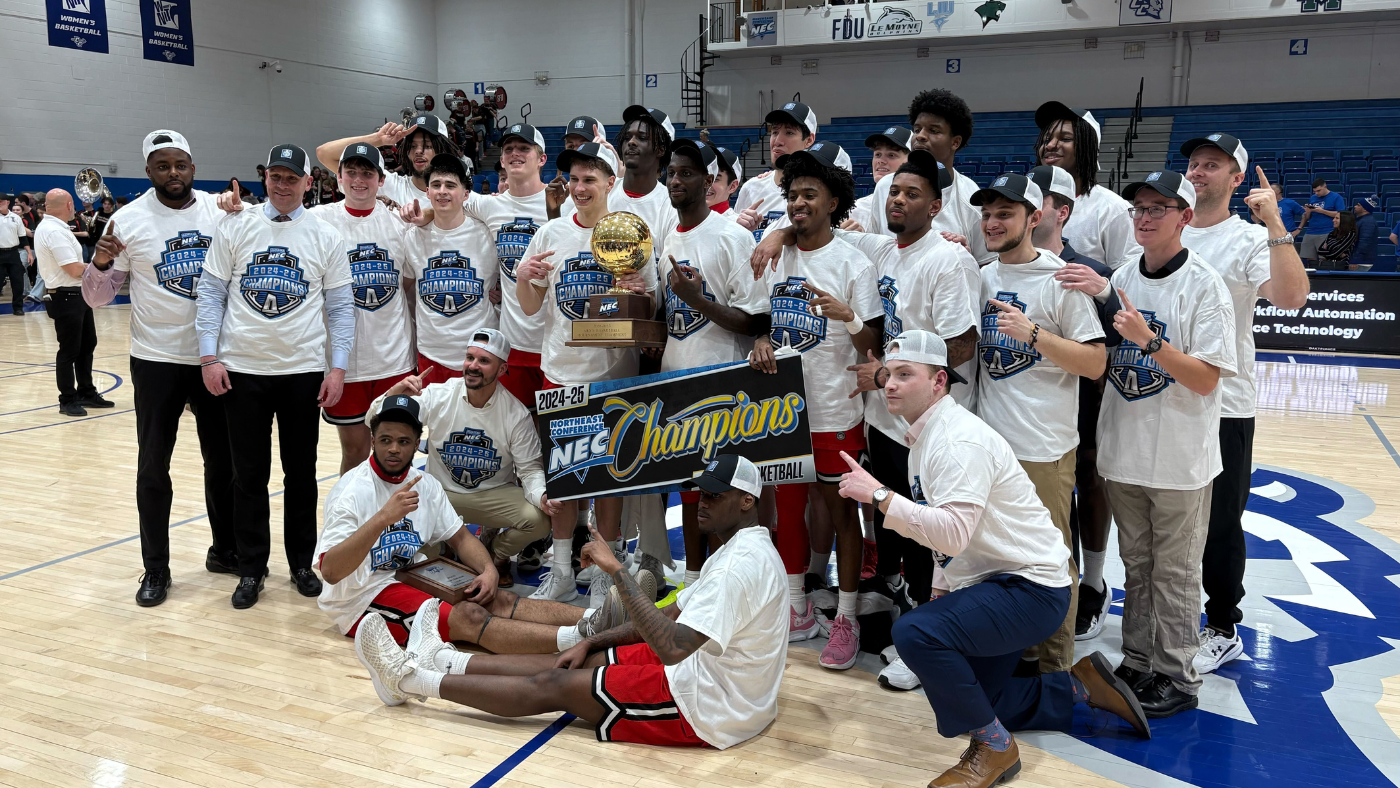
{"x": 598, "y": 590}
{"x": 1216, "y": 650}
{"x": 386, "y": 662}
{"x": 587, "y": 575}
{"x": 424, "y": 640}
{"x": 896, "y": 675}
{"x": 553, "y": 590}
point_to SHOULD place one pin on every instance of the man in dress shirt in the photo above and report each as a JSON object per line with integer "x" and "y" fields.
{"x": 61, "y": 266}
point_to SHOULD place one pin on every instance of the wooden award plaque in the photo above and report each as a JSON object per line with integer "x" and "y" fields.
{"x": 619, "y": 320}
{"x": 442, "y": 577}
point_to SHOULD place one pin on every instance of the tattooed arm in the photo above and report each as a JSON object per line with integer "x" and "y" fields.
{"x": 671, "y": 641}
{"x": 626, "y": 634}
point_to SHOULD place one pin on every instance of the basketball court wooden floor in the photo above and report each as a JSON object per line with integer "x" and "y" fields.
{"x": 95, "y": 691}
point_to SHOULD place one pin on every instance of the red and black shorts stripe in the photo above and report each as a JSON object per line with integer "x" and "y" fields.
{"x": 637, "y": 701}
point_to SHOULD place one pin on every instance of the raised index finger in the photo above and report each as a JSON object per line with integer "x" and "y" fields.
{"x": 1002, "y": 305}
{"x": 1127, "y": 304}
{"x": 855, "y": 466}
{"x": 411, "y": 482}
{"x": 1263, "y": 179}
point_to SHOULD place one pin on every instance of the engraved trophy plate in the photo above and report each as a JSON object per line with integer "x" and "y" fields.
{"x": 442, "y": 577}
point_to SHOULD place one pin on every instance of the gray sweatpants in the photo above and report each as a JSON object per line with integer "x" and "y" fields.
{"x": 1161, "y": 536}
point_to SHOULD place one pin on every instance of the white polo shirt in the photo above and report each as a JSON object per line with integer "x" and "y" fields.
{"x": 721, "y": 250}
{"x": 54, "y": 247}
{"x": 11, "y": 230}
{"x": 475, "y": 449}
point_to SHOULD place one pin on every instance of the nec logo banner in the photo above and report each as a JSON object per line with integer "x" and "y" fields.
{"x": 763, "y": 30}
{"x": 78, "y": 24}
{"x": 166, "y": 31}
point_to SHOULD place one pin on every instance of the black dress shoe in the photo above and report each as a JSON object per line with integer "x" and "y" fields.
{"x": 246, "y": 595}
{"x": 95, "y": 401}
{"x": 221, "y": 563}
{"x": 1161, "y": 698}
{"x": 306, "y": 581}
{"x": 153, "y": 588}
{"x": 72, "y": 409}
{"x": 1137, "y": 680}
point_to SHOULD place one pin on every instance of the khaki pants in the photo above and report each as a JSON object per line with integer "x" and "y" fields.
{"x": 1054, "y": 484}
{"x": 516, "y": 521}
{"x": 1161, "y": 535}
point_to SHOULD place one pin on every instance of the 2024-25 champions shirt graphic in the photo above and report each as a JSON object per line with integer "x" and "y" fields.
{"x": 375, "y": 277}
{"x": 182, "y": 262}
{"x": 274, "y": 284}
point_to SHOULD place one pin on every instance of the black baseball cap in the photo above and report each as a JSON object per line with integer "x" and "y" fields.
{"x": 1051, "y": 111}
{"x": 401, "y": 409}
{"x": 728, "y": 472}
{"x": 729, "y": 162}
{"x": 1226, "y": 142}
{"x": 6, "y": 197}
{"x": 897, "y": 136}
{"x": 289, "y": 156}
{"x": 637, "y": 111}
{"x": 588, "y": 150}
{"x": 364, "y": 152}
{"x": 452, "y": 164}
{"x": 1164, "y": 182}
{"x": 1014, "y": 187}
{"x": 702, "y": 152}
{"x": 796, "y": 113}
{"x": 525, "y": 132}
{"x": 582, "y": 126}
{"x": 826, "y": 153}
{"x": 429, "y": 123}
{"x": 923, "y": 163}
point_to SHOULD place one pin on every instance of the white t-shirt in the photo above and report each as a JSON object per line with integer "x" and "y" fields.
{"x": 864, "y": 212}
{"x": 278, "y": 273}
{"x": 455, "y": 269}
{"x": 728, "y": 689}
{"x": 164, "y": 256}
{"x": 375, "y": 248}
{"x": 574, "y": 278}
{"x": 1101, "y": 229}
{"x": 401, "y": 189}
{"x": 926, "y": 286}
{"x": 721, "y": 250}
{"x": 1027, "y": 398}
{"x": 355, "y": 498}
{"x": 11, "y": 230}
{"x": 474, "y": 449}
{"x": 956, "y": 216}
{"x": 512, "y": 222}
{"x": 826, "y": 347}
{"x": 1239, "y": 252}
{"x": 762, "y": 189}
{"x": 1152, "y": 431}
{"x": 958, "y": 458}
{"x": 54, "y": 247}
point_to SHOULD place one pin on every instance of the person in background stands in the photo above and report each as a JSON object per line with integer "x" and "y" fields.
{"x": 276, "y": 283}
{"x": 12, "y": 230}
{"x": 1334, "y": 253}
{"x": 1317, "y": 219}
{"x": 1365, "y": 212}
{"x": 61, "y": 267}
{"x": 1289, "y": 210}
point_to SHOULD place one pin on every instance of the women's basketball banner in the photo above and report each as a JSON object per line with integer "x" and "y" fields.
{"x": 78, "y": 24}
{"x": 650, "y": 433}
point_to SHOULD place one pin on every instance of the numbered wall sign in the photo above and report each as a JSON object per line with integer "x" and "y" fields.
{"x": 651, "y": 80}
{"x": 954, "y": 65}
{"x": 1298, "y": 46}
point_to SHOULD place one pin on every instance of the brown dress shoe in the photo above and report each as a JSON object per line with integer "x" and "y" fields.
{"x": 1109, "y": 692}
{"x": 981, "y": 767}
{"x": 504, "y": 579}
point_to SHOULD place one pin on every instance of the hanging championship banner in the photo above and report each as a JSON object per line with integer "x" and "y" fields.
{"x": 166, "y": 31}
{"x": 651, "y": 433}
{"x": 78, "y": 24}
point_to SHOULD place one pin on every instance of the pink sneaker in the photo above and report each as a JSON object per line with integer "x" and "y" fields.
{"x": 841, "y": 651}
{"x": 802, "y": 626}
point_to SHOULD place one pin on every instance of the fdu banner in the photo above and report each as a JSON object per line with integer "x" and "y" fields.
{"x": 78, "y": 24}
{"x": 166, "y": 31}
{"x": 654, "y": 432}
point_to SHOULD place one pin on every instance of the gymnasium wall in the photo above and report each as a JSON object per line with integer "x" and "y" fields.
{"x": 345, "y": 66}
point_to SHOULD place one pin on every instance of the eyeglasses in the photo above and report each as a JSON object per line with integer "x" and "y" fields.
{"x": 1151, "y": 211}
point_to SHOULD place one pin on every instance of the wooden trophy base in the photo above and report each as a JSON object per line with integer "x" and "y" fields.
{"x": 442, "y": 577}
{"x": 619, "y": 320}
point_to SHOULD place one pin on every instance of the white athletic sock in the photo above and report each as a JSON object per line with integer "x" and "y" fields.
{"x": 1093, "y": 569}
{"x": 796, "y": 596}
{"x": 449, "y": 660}
{"x": 568, "y": 637}
{"x": 427, "y": 683}
{"x": 561, "y": 565}
{"x": 867, "y": 523}
{"x": 691, "y": 575}
{"x": 846, "y": 602}
{"x": 818, "y": 562}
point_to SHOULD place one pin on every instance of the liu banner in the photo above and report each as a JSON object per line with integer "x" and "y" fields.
{"x": 166, "y": 32}
{"x": 78, "y": 24}
{"x": 651, "y": 433}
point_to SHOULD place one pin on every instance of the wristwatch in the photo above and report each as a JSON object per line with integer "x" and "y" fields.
{"x": 880, "y": 495}
{"x": 1153, "y": 345}
{"x": 1281, "y": 240}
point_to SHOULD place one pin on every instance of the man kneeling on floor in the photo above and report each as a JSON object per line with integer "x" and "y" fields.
{"x": 378, "y": 518}
{"x": 1005, "y": 562}
{"x": 704, "y": 671}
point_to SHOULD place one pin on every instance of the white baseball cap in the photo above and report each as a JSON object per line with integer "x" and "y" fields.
{"x": 728, "y": 472}
{"x": 921, "y": 347}
{"x": 1053, "y": 180}
{"x": 492, "y": 341}
{"x": 588, "y": 150}
{"x": 163, "y": 138}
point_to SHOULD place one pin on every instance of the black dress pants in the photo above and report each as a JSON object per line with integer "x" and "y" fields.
{"x": 77, "y": 339}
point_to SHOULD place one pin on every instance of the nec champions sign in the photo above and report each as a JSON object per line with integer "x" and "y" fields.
{"x": 649, "y": 434}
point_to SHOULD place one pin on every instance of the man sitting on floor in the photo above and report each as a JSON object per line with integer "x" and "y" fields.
{"x": 382, "y": 513}
{"x": 703, "y": 671}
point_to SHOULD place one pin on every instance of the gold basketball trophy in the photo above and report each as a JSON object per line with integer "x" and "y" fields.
{"x": 621, "y": 244}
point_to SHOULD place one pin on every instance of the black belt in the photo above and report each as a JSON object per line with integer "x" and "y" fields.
{"x": 70, "y": 289}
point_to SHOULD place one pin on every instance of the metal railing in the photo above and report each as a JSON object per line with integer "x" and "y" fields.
{"x": 1125, "y": 151}
{"x": 694, "y": 60}
{"x": 726, "y": 25}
